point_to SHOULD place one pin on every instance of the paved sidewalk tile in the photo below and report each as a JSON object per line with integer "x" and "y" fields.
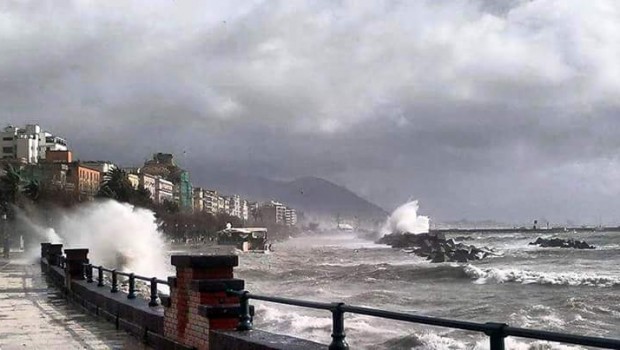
{"x": 34, "y": 315}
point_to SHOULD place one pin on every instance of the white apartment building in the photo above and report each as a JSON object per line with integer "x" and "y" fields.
{"x": 149, "y": 182}
{"x": 290, "y": 217}
{"x": 29, "y": 144}
{"x": 234, "y": 205}
{"x": 245, "y": 210}
{"x": 210, "y": 199}
{"x": 222, "y": 206}
{"x": 164, "y": 190}
{"x": 199, "y": 199}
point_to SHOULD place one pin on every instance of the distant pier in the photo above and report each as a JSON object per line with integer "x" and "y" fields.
{"x": 537, "y": 230}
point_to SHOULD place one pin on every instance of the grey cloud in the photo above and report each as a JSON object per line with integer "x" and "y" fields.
{"x": 478, "y": 108}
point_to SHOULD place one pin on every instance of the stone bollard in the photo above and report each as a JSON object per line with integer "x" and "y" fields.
{"x": 54, "y": 251}
{"x": 198, "y": 300}
{"x": 76, "y": 258}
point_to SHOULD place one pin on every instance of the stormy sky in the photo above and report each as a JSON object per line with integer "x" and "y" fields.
{"x": 508, "y": 110}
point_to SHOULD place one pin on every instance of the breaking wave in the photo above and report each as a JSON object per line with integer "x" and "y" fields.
{"x": 495, "y": 275}
{"x": 417, "y": 272}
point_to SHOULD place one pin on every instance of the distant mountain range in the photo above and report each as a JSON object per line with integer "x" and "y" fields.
{"x": 312, "y": 195}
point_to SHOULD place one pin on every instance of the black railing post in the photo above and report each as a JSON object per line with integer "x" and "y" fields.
{"x": 153, "y": 301}
{"x": 245, "y": 320}
{"x": 496, "y": 335}
{"x": 114, "y": 282}
{"x": 338, "y": 334}
{"x": 132, "y": 287}
{"x": 100, "y": 276}
{"x": 89, "y": 273}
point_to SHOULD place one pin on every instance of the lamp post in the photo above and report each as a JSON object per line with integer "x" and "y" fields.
{"x": 5, "y": 234}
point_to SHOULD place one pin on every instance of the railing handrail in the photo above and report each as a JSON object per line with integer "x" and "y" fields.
{"x": 128, "y": 274}
{"x": 496, "y": 331}
{"x": 132, "y": 277}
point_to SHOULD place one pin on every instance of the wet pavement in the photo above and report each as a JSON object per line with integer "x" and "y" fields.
{"x": 34, "y": 315}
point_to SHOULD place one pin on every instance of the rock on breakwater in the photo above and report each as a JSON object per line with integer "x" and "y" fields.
{"x": 561, "y": 243}
{"x": 435, "y": 247}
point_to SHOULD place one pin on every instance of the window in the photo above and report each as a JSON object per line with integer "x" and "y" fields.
{"x": 7, "y": 149}
{"x": 7, "y": 139}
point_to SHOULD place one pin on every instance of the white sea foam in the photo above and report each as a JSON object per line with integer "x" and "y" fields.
{"x": 496, "y": 275}
{"x": 405, "y": 219}
{"x": 117, "y": 235}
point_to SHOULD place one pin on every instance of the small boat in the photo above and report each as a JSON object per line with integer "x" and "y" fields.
{"x": 245, "y": 239}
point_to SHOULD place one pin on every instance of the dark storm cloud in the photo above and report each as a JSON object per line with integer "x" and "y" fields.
{"x": 476, "y": 108}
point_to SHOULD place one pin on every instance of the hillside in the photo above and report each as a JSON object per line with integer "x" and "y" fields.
{"x": 312, "y": 195}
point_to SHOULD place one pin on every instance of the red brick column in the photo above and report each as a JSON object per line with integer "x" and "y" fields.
{"x": 198, "y": 301}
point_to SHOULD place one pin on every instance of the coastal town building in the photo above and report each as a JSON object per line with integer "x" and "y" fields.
{"x": 103, "y": 166}
{"x": 290, "y": 217}
{"x": 58, "y": 157}
{"x": 221, "y": 205}
{"x": 163, "y": 190}
{"x": 134, "y": 180}
{"x": 198, "y": 199}
{"x": 30, "y": 144}
{"x": 83, "y": 181}
{"x": 210, "y": 198}
{"x": 234, "y": 205}
{"x": 273, "y": 212}
{"x": 149, "y": 183}
{"x": 245, "y": 211}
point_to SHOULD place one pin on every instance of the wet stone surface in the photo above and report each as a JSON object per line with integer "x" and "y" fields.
{"x": 34, "y": 315}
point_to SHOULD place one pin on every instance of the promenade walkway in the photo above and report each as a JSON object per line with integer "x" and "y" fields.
{"x": 34, "y": 315}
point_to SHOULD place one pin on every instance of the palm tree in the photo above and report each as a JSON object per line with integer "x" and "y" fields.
{"x": 33, "y": 190}
{"x": 10, "y": 184}
{"x": 115, "y": 185}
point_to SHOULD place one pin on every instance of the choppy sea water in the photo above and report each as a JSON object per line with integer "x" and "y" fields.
{"x": 567, "y": 290}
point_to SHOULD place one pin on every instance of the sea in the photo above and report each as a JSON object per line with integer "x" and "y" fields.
{"x": 555, "y": 289}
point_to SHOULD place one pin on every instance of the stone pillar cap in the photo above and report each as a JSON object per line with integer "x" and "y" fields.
{"x": 204, "y": 261}
{"x": 76, "y": 250}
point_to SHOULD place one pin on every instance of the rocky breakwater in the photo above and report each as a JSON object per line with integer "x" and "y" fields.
{"x": 435, "y": 247}
{"x": 561, "y": 243}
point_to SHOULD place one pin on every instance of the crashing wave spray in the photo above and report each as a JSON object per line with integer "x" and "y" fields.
{"x": 405, "y": 219}
{"x": 118, "y": 235}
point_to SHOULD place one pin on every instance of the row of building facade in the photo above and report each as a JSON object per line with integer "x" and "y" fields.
{"x": 47, "y": 158}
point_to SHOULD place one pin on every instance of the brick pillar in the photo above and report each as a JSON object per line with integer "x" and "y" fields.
{"x": 200, "y": 284}
{"x": 75, "y": 260}
{"x": 54, "y": 251}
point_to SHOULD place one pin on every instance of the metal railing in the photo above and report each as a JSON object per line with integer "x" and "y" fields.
{"x": 496, "y": 332}
{"x": 131, "y": 277}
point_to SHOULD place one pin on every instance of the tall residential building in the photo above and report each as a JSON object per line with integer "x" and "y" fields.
{"x": 273, "y": 212}
{"x": 199, "y": 199}
{"x": 185, "y": 192}
{"x": 210, "y": 198}
{"x": 83, "y": 180}
{"x": 149, "y": 182}
{"x": 29, "y": 144}
{"x": 290, "y": 217}
{"x": 222, "y": 206}
{"x": 245, "y": 210}
{"x": 234, "y": 205}
{"x": 164, "y": 190}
